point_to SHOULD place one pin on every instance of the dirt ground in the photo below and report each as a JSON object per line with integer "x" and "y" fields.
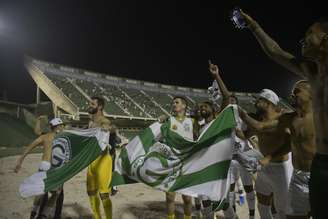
{"x": 131, "y": 202}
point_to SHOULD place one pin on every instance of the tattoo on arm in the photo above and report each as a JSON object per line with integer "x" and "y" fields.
{"x": 274, "y": 51}
{"x": 260, "y": 126}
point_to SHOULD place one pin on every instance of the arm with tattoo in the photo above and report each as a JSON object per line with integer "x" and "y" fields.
{"x": 273, "y": 50}
{"x": 255, "y": 124}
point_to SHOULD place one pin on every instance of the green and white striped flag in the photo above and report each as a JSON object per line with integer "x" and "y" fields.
{"x": 72, "y": 151}
{"x": 162, "y": 159}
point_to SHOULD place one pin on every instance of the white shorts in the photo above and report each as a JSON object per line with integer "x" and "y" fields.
{"x": 298, "y": 197}
{"x": 236, "y": 171}
{"x": 44, "y": 166}
{"x": 274, "y": 178}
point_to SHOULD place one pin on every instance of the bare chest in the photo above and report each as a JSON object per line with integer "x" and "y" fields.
{"x": 303, "y": 131}
{"x": 95, "y": 124}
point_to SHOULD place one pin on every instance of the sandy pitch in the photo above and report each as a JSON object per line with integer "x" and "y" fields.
{"x": 132, "y": 201}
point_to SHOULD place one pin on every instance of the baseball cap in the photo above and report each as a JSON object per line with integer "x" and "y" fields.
{"x": 56, "y": 121}
{"x": 270, "y": 96}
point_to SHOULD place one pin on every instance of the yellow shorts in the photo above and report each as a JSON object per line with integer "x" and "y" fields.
{"x": 99, "y": 175}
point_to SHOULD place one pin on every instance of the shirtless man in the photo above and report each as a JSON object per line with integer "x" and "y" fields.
{"x": 40, "y": 129}
{"x": 230, "y": 98}
{"x": 184, "y": 126}
{"x": 99, "y": 172}
{"x": 314, "y": 67}
{"x": 275, "y": 176}
{"x": 300, "y": 124}
{"x": 44, "y": 140}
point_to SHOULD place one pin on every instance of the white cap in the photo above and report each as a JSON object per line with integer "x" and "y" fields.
{"x": 56, "y": 121}
{"x": 270, "y": 96}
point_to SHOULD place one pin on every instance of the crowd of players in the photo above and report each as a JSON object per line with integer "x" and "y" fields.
{"x": 290, "y": 177}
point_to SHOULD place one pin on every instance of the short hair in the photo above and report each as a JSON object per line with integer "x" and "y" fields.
{"x": 306, "y": 82}
{"x": 233, "y": 95}
{"x": 100, "y": 101}
{"x": 323, "y": 24}
{"x": 183, "y": 99}
{"x": 210, "y": 104}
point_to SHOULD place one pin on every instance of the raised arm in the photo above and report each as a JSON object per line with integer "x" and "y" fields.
{"x": 257, "y": 125}
{"x": 37, "y": 128}
{"x": 28, "y": 149}
{"x": 215, "y": 74}
{"x": 273, "y": 50}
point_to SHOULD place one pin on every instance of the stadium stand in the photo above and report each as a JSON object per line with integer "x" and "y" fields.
{"x": 64, "y": 84}
{"x": 126, "y": 98}
{"x": 110, "y": 94}
{"x": 161, "y": 98}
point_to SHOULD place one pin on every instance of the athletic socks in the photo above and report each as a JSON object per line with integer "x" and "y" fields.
{"x": 171, "y": 216}
{"x": 232, "y": 200}
{"x": 264, "y": 211}
{"x": 107, "y": 204}
{"x": 35, "y": 211}
{"x": 208, "y": 213}
{"x": 95, "y": 203}
{"x": 48, "y": 212}
{"x": 275, "y": 213}
{"x": 186, "y": 217}
{"x": 250, "y": 197}
{"x": 33, "y": 214}
{"x": 114, "y": 191}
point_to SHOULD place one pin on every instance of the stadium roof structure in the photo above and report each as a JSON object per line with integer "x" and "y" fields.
{"x": 71, "y": 89}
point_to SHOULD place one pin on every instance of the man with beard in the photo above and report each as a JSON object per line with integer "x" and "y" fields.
{"x": 206, "y": 113}
{"x": 313, "y": 67}
{"x": 275, "y": 176}
{"x": 99, "y": 172}
{"x": 229, "y": 98}
{"x": 301, "y": 126}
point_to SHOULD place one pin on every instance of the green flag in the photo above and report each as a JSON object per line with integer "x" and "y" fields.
{"x": 162, "y": 159}
{"x": 72, "y": 151}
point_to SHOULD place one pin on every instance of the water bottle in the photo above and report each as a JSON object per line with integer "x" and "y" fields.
{"x": 241, "y": 198}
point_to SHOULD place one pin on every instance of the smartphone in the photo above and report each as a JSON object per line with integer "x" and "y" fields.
{"x": 238, "y": 19}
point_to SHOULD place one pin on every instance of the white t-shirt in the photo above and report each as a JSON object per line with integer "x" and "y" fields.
{"x": 183, "y": 128}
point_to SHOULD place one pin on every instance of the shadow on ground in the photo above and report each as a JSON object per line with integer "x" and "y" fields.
{"x": 151, "y": 210}
{"x": 79, "y": 210}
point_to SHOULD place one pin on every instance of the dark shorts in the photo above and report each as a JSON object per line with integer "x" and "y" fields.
{"x": 319, "y": 186}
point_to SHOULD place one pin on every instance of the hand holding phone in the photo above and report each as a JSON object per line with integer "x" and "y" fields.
{"x": 238, "y": 19}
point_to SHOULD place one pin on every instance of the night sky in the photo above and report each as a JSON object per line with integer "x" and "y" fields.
{"x": 161, "y": 41}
